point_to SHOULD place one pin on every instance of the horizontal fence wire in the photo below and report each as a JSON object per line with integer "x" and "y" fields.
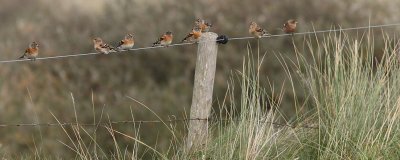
{"x": 142, "y": 122}
{"x": 230, "y": 39}
{"x": 172, "y": 45}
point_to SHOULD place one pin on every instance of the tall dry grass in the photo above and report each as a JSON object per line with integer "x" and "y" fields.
{"x": 352, "y": 112}
{"x": 162, "y": 79}
{"x": 353, "y": 109}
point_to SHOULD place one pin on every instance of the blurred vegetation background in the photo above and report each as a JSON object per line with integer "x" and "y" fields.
{"x": 160, "y": 78}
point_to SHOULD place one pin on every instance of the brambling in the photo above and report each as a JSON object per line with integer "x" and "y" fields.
{"x": 31, "y": 52}
{"x": 205, "y": 26}
{"x": 290, "y": 26}
{"x": 256, "y": 31}
{"x": 164, "y": 40}
{"x": 126, "y": 43}
{"x": 102, "y": 47}
{"x": 193, "y": 36}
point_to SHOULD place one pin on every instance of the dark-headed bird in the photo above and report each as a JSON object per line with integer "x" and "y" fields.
{"x": 290, "y": 26}
{"x": 31, "y": 52}
{"x": 164, "y": 40}
{"x": 127, "y": 43}
{"x": 256, "y": 31}
{"x": 102, "y": 47}
{"x": 203, "y": 25}
{"x": 193, "y": 36}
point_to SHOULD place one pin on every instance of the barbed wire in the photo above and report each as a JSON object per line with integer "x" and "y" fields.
{"x": 230, "y": 39}
{"x": 140, "y": 122}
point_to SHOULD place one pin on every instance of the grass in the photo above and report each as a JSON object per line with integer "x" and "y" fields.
{"x": 355, "y": 98}
{"x": 354, "y": 105}
{"x": 352, "y": 111}
{"x": 165, "y": 84}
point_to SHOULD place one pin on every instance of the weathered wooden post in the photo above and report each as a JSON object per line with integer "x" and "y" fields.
{"x": 202, "y": 90}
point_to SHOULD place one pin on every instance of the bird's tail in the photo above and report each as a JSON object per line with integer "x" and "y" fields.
{"x": 156, "y": 44}
{"x": 265, "y": 33}
{"x": 111, "y": 48}
{"x": 280, "y": 29}
{"x": 187, "y": 38}
{"x": 23, "y": 56}
{"x": 119, "y": 48}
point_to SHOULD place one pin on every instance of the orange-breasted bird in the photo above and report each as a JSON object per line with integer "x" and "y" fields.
{"x": 256, "y": 31}
{"x": 193, "y": 36}
{"x": 164, "y": 40}
{"x": 102, "y": 47}
{"x": 290, "y": 26}
{"x": 127, "y": 43}
{"x": 203, "y": 25}
{"x": 31, "y": 52}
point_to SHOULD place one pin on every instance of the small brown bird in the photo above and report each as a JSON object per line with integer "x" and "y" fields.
{"x": 102, "y": 47}
{"x": 290, "y": 26}
{"x": 203, "y": 25}
{"x": 256, "y": 31}
{"x": 31, "y": 52}
{"x": 164, "y": 40}
{"x": 193, "y": 36}
{"x": 127, "y": 43}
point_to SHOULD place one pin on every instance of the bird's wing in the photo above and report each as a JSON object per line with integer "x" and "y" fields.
{"x": 188, "y": 36}
{"x": 121, "y": 43}
{"x": 107, "y": 46}
{"x": 259, "y": 29}
{"x": 159, "y": 40}
{"x": 163, "y": 37}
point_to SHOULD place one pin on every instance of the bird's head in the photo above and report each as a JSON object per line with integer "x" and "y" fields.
{"x": 198, "y": 21}
{"x": 253, "y": 24}
{"x": 292, "y": 21}
{"x": 129, "y": 36}
{"x": 97, "y": 40}
{"x": 34, "y": 45}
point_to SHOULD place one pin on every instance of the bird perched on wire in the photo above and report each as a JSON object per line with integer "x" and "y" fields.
{"x": 102, "y": 47}
{"x": 203, "y": 25}
{"x": 256, "y": 31}
{"x": 31, "y": 52}
{"x": 290, "y": 26}
{"x": 127, "y": 43}
{"x": 164, "y": 40}
{"x": 193, "y": 36}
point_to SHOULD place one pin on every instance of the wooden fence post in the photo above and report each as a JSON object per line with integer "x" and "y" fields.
{"x": 202, "y": 90}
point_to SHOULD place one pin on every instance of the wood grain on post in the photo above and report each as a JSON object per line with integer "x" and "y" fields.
{"x": 202, "y": 90}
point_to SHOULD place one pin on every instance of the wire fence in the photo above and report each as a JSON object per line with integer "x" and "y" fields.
{"x": 173, "y": 45}
{"x": 230, "y": 39}
{"x": 145, "y": 121}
